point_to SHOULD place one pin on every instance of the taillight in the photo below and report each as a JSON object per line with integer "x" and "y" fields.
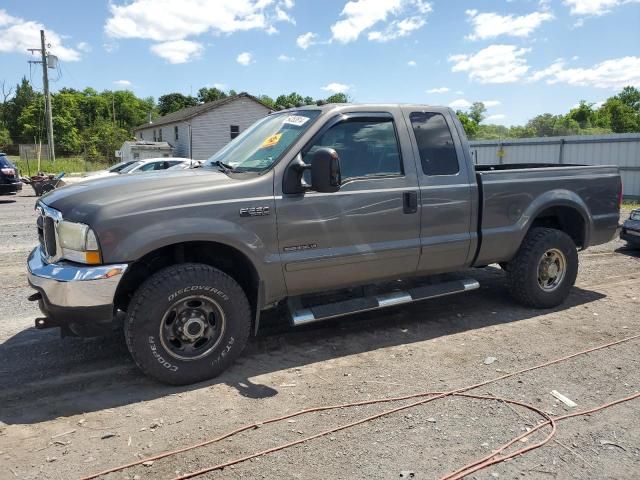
{"x": 8, "y": 171}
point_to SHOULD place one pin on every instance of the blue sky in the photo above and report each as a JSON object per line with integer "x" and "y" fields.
{"x": 521, "y": 57}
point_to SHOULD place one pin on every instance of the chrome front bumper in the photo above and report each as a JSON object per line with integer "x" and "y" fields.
{"x": 66, "y": 284}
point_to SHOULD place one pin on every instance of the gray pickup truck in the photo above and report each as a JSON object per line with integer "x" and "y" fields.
{"x": 319, "y": 211}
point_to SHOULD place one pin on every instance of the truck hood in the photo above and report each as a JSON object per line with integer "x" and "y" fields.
{"x": 123, "y": 194}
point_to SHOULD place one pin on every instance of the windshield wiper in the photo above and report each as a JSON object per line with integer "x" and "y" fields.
{"x": 224, "y": 168}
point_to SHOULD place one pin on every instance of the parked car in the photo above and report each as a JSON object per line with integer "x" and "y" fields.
{"x": 139, "y": 166}
{"x": 187, "y": 165}
{"x": 113, "y": 169}
{"x": 320, "y": 211}
{"x": 631, "y": 229}
{"x": 153, "y": 164}
{"x": 9, "y": 177}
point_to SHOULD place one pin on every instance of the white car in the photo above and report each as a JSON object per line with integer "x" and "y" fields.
{"x": 111, "y": 170}
{"x": 154, "y": 165}
{"x": 187, "y": 165}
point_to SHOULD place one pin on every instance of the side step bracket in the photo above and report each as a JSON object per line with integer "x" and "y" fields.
{"x": 326, "y": 311}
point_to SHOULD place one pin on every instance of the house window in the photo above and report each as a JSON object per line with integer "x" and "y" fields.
{"x": 160, "y": 135}
{"x": 175, "y": 132}
{"x": 235, "y": 131}
{"x": 155, "y": 139}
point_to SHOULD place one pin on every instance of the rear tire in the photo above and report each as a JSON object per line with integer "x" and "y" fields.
{"x": 187, "y": 323}
{"x": 544, "y": 268}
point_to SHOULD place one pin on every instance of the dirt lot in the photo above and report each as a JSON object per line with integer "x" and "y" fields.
{"x": 70, "y": 407}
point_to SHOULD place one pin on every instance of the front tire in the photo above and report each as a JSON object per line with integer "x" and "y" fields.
{"x": 544, "y": 268}
{"x": 187, "y": 323}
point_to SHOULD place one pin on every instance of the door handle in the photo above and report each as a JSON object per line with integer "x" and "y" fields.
{"x": 410, "y": 202}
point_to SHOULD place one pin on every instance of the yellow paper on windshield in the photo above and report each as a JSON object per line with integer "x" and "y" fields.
{"x": 271, "y": 141}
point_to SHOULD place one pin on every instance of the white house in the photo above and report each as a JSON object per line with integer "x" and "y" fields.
{"x": 199, "y": 132}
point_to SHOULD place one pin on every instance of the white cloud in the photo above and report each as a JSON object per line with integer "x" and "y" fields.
{"x": 412, "y": 63}
{"x": 491, "y": 25}
{"x": 164, "y": 20}
{"x": 336, "y": 87}
{"x": 397, "y": 18}
{"x": 495, "y": 118}
{"x": 491, "y": 103}
{"x": 245, "y": 58}
{"x": 285, "y": 58}
{"x": 438, "y": 90}
{"x": 614, "y": 73}
{"x": 594, "y": 7}
{"x": 123, "y": 83}
{"x": 460, "y": 103}
{"x": 17, "y": 34}
{"x": 220, "y": 86}
{"x": 178, "y": 51}
{"x": 493, "y": 64}
{"x": 305, "y": 40}
{"x": 83, "y": 47}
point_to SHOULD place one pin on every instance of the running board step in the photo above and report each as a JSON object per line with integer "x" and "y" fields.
{"x": 347, "y": 307}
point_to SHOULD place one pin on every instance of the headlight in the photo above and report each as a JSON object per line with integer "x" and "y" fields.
{"x": 78, "y": 243}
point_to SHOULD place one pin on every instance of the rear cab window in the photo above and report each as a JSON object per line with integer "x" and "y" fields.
{"x": 435, "y": 144}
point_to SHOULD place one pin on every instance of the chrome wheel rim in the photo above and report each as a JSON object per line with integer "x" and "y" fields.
{"x": 192, "y": 327}
{"x": 552, "y": 268}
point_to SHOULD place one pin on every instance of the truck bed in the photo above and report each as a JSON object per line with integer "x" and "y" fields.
{"x": 511, "y": 195}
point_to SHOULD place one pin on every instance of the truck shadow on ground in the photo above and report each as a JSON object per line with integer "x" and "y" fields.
{"x": 43, "y": 377}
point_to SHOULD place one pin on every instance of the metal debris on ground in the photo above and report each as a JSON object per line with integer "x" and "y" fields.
{"x": 567, "y": 401}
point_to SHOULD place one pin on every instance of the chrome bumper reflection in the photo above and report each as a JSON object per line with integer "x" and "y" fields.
{"x": 68, "y": 284}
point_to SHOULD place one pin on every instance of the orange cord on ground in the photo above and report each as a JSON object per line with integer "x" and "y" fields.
{"x": 431, "y": 396}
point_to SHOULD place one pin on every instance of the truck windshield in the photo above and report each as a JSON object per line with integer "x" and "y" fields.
{"x": 262, "y": 144}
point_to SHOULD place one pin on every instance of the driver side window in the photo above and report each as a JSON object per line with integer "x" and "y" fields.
{"x": 367, "y": 147}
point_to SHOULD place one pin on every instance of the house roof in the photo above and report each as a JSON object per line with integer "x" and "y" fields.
{"x": 190, "y": 112}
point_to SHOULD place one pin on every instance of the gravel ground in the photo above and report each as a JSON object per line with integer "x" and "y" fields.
{"x": 70, "y": 407}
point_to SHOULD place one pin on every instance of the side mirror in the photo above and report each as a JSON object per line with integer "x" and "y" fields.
{"x": 325, "y": 171}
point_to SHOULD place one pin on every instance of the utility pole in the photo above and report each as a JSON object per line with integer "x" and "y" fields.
{"x": 47, "y": 94}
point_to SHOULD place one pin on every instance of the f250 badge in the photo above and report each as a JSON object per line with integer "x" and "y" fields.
{"x": 254, "y": 212}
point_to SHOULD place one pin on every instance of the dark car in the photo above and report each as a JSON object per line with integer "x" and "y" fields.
{"x": 631, "y": 229}
{"x": 9, "y": 179}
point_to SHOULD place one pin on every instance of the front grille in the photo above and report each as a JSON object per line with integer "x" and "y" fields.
{"x": 47, "y": 234}
{"x": 49, "y": 237}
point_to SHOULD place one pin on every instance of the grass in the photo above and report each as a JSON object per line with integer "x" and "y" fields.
{"x": 630, "y": 204}
{"x": 62, "y": 164}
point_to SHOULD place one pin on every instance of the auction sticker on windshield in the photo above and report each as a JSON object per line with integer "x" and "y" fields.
{"x": 296, "y": 120}
{"x": 271, "y": 141}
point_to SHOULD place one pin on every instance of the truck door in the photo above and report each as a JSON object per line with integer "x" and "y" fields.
{"x": 446, "y": 192}
{"x": 369, "y": 229}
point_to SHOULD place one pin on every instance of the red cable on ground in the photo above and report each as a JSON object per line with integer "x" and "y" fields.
{"x": 491, "y": 459}
{"x": 432, "y": 396}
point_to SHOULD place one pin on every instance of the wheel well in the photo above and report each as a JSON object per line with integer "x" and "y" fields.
{"x": 567, "y": 219}
{"x": 228, "y": 259}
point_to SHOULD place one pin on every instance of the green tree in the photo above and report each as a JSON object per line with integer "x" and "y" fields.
{"x": 210, "y": 94}
{"x": 338, "y": 98}
{"x": 24, "y": 96}
{"x": 5, "y": 137}
{"x": 583, "y": 114}
{"x": 470, "y": 126}
{"x": 172, "y": 102}
{"x": 477, "y": 112}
